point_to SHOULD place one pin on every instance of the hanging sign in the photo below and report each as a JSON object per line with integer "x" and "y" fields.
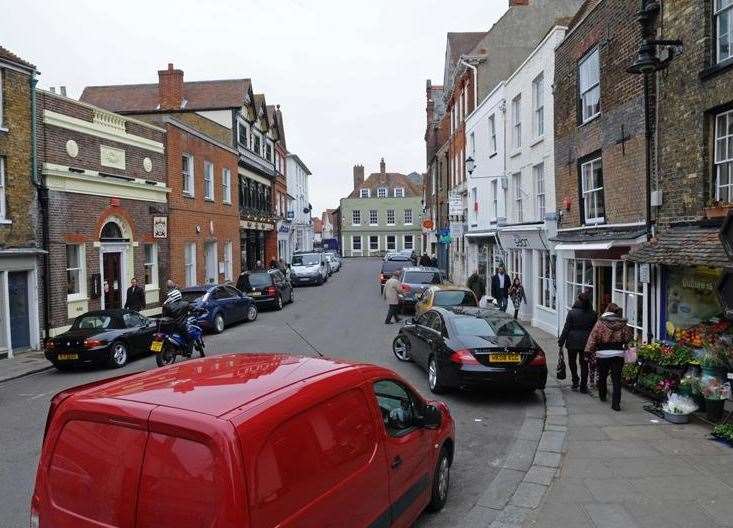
{"x": 160, "y": 227}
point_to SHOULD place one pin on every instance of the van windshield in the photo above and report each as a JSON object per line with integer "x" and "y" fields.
{"x": 306, "y": 260}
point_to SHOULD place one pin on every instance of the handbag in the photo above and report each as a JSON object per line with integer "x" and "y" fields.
{"x": 630, "y": 355}
{"x": 560, "y": 372}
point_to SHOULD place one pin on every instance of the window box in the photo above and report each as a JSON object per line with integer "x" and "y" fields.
{"x": 717, "y": 211}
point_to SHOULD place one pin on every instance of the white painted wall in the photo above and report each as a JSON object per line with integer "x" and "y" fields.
{"x": 298, "y": 186}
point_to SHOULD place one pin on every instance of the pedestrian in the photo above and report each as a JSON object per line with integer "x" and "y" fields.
{"x": 516, "y": 292}
{"x": 135, "y": 300}
{"x": 425, "y": 260}
{"x": 477, "y": 285}
{"x": 273, "y": 264}
{"x": 578, "y": 325}
{"x": 607, "y": 342}
{"x": 500, "y": 288}
{"x": 258, "y": 265}
{"x": 392, "y": 292}
{"x": 433, "y": 261}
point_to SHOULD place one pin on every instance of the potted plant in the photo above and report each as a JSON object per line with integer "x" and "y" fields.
{"x": 714, "y": 399}
{"x": 724, "y": 433}
{"x": 714, "y": 360}
{"x": 677, "y": 409}
{"x": 717, "y": 209}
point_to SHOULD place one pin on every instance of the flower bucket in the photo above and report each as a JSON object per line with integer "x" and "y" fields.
{"x": 712, "y": 372}
{"x": 714, "y": 409}
{"x": 676, "y": 418}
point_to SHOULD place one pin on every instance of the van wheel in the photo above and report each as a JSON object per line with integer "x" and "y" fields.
{"x": 218, "y": 324}
{"x": 118, "y": 355}
{"x": 441, "y": 482}
{"x": 435, "y": 383}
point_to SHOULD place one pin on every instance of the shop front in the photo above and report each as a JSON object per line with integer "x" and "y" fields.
{"x": 252, "y": 243}
{"x": 481, "y": 251}
{"x": 284, "y": 232}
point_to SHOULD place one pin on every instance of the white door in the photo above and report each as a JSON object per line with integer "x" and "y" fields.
{"x": 210, "y": 256}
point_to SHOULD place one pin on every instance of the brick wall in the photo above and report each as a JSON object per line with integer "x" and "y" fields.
{"x": 618, "y": 133}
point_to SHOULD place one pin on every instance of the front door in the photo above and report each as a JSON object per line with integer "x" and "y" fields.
{"x": 20, "y": 330}
{"x": 112, "y": 284}
{"x": 603, "y": 288}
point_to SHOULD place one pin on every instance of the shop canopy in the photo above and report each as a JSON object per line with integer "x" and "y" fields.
{"x": 685, "y": 246}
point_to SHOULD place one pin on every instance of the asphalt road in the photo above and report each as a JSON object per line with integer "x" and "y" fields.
{"x": 344, "y": 318}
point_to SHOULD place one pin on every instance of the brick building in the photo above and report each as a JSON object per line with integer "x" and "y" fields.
{"x": 107, "y": 201}
{"x": 20, "y": 253}
{"x": 694, "y": 153}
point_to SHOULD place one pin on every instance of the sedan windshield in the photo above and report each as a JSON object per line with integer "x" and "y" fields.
{"x": 454, "y": 298}
{"x": 259, "y": 280}
{"x": 467, "y": 325}
{"x": 306, "y": 260}
{"x": 96, "y": 321}
{"x": 421, "y": 277}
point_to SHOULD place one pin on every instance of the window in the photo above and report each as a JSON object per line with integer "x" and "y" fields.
{"x": 517, "y": 194}
{"x": 75, "y": 274}
{"x": 399, "y": 192}
{"x": 538, "y": 173}
{"x": 373, "y": 217}
{"x": 391, "y": 242}
{"x": 724, "y": 29}
{"x": 187, "y": 174}
{"x": 208, "y": 180}
{"x": 257, "y": 144}
{"x": 242, "y": 134}
{"x": 228, "y": 269}
{"x": 390, "y": 216}
{"x": 373, "y": 242}
{"x": 364, "y": 193}
{"x": 356, "y": 243}
{"x": 190, "y": 263}
{"x": 151, "y": 266}
{"x": 628, "y": 293}
{"x": 472, "y": 144}
{"x": 546, "y": 281}
{"x": 514, "y": 264}
{"x": 3, "y": 205}
{"x": 382, "y": 192}
{"x": 408, "y": 242}
{"x": 356, "y": 217}
{"x": 589, "y": 84}
{"x": 408, "y": 216}
{"x": 226, "y": 186}
{"x": 592, "y": 183}
{"x": 492, "y": 134}
{"x": 517, "y": 122}
{"x": 1, "y": 99}
{"x": 495, "y": 198}
{"x": 538, "y": 105}
{"x": 723, "y": 157}
{"x": 579, "y": 278}
{"x": 397, "y": 406}
{"x": 268, "y": 152}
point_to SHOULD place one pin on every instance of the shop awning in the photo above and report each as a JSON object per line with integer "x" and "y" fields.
{"x": 588, "y": 246}
{"x": 684, "y": 245}
{"x": 480, "y": 234}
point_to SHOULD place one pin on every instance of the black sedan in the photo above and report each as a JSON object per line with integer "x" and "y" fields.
{"x": 465, "y": 346}
{"x": 108, "y": 337}
{"x": 269, "y": 288}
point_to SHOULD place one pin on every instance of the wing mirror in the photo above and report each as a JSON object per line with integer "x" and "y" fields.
{"x": 431, "y": 417}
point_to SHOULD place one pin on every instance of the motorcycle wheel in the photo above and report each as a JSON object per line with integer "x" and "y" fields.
{"x": 200, "y": 348}
{"x": 167, "y": 356}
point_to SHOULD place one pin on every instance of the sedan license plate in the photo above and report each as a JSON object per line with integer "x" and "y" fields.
{"x": 156, "y": 346}
{"x": 255, "y": 294}
{"x": 505, "y": 358}
{"x": 68, "y": 356}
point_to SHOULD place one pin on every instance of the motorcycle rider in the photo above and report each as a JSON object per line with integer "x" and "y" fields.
{"x": 177, "y": 309}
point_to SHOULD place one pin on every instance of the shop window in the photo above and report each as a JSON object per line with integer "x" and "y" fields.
{"x": 189, "y": 259}
{"x": 356, "y": 217}
{"x": 546, "y": 281}
{"x": 408, "y": 242}
{"x": 589, "y": 86}
{"x": 187, "y": 174}
{"x": 628, "y": 293}
{"x": 75, "y": 272}
{"x": 724, "y": 29}
{"x": 578, "y": 278}
{"x": 151, "y": 266}
{"x": 391, "y": 242}
{"x": 724, "y": 156}
{"x": 591, "y": 174}
{"x": 373, "y": 242}
{"x": 356, "y": 243}
{"x": 373, "y": 217}
{"x": 390, "y": 216}
{"x": 515, "y": 264}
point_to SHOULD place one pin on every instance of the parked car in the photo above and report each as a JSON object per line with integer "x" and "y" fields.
{"x": 309, "y": 268}
{"x": 388, "y": 268}
{"x": 466, "y": 346}
{"x": 444, "y": 295}
{"x": 269, "y": 287}
{"x": 413, "y": 281}
{"x": 244, "y": 440}
{"x": 108, "y": 337}
{"x": 223, "y": 305}
{"x": 409, "y": 253}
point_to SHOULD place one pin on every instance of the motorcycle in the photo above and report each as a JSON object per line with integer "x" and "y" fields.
{"x": 169, "y": 343}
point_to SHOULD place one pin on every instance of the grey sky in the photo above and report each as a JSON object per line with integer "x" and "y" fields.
{"x": 349, "y": 76}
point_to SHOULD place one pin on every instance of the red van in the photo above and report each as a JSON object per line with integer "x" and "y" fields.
{"x": 244, "y": 441}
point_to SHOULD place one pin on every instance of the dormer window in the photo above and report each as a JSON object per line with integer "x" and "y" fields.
{"x": 382, "y": 192}
{"x": 399, "y": 192}
{"x": 364, "y": 193}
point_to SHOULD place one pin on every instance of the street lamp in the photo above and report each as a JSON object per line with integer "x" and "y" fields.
{"x": 470, "y": 164}
{"x": 647, "y": 59}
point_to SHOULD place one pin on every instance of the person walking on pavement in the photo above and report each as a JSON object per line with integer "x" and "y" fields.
{"x": 500, "y": 288}
{"x": 578, "y": 325}
{"x": 476, "y": 284}
{"x": 607, "y": 341}
{"x": 433, "y": 261}
{"x": 425, "y": 260}
{"x": 516, "y": 292}
{"x": 135, "y": 300}
{"x": 392, "y": 294}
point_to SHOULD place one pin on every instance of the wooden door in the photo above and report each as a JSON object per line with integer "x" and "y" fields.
{"x": 112, "y": 284}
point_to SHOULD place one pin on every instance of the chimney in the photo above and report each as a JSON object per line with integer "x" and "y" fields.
{"x": 382, "y": 167}
{"x": 358, "y": 176}
{"x": 518, "y": 3}
{"x": 170, "y": 88}
{"x": 430, "y": 106}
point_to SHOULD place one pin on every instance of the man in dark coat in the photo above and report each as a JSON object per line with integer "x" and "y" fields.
{"x": 578, "y": 325}
{"x": 500, "y": 285}
{"x": 476, "y": 284}
{"x": 135, "y": 297}
{"x": 425, "y": 260}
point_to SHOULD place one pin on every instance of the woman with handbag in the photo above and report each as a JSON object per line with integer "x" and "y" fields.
{"x": 578, "y": 326}
{"x": 516, "y": 293}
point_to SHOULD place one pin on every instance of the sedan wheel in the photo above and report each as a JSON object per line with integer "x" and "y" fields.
{"x": 434, "y": 382}
{"x": 118, "y": 356}
{"x": 292, "y": 295}
{"x": 218, "y": 324}
{"x": 401, "y": 348}
{"x": 279, "y": 302}
{"x": 252, "y": 313}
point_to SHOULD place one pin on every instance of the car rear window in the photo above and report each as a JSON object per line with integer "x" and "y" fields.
{"x": 94, "y": 469}
{"x": 97, "y": 321}
{"x": 390, "y": 266}
{"x": 192, "y": 296}
{"x": 310, "y": 259}
{"x": 454, "y": 298}
{"x": 422, "y": 277}
{"x": 259, "y": 280}
{"x": 469, "y": 325}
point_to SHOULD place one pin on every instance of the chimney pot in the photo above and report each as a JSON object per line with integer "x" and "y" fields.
{"x": 382, "y": 167}
{"x": 170, "y": 88}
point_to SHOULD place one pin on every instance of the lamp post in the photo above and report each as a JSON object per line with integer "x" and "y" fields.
{"x": 470, "y": 164}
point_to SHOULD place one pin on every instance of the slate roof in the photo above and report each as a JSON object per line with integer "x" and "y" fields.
{"x": 685, "y": 246}
{"x": 600, "y": 235}
{"x": 9, "y": 56}
{"x": 390, "y": 180}
{"x": 198, "y": 95}
{"x": 462, "y": 43}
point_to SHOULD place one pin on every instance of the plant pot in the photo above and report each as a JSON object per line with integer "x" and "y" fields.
{"x": 714, "y": 409}
{"x": 700, "y": 401}
{"x": 676, "y": 418}
{"x": 720, "y": 211}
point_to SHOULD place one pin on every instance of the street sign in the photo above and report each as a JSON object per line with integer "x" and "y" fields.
{"x": 455, "y": 204}
{"x": 644, "y": 273}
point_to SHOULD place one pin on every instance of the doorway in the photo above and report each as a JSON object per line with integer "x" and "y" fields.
{"x": 112, "y": 279}
{"x": 20, "y": 328}
{"x": 604, "y": 287}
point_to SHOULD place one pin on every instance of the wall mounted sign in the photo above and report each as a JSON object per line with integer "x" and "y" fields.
{"x": 522, "y": 240}
{"x": 112, "y": 157}
{"x": 160, "y": 227}
{"x": 455, "y": 204}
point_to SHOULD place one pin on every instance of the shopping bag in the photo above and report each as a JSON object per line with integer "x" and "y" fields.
{"x": 560, "y": 371}
{"x": 630, "y": 355}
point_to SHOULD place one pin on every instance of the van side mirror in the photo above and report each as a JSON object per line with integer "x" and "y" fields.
{"x": 431, "y": 417}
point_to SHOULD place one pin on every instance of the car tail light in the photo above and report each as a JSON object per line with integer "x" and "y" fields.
{"x": 463, "y": 357}
{"x": 94, "y": 343}
{"x": 271, "y": 290}
{"x": 49, "y": 345}
{"x": 539, "y": 359}
{"x": 406, "y": 288}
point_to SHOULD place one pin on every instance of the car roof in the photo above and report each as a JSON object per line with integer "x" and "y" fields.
{"x": 475, "y": 311}
{"x": 420, "y": 268}
{"x": 219, "y": 384}
{"x": 449, "y": 287}
{"x": 114, "y": 312}
{"x": 202, "y": 288}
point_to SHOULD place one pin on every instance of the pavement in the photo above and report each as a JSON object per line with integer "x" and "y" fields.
{"x": 23, "y": 364}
